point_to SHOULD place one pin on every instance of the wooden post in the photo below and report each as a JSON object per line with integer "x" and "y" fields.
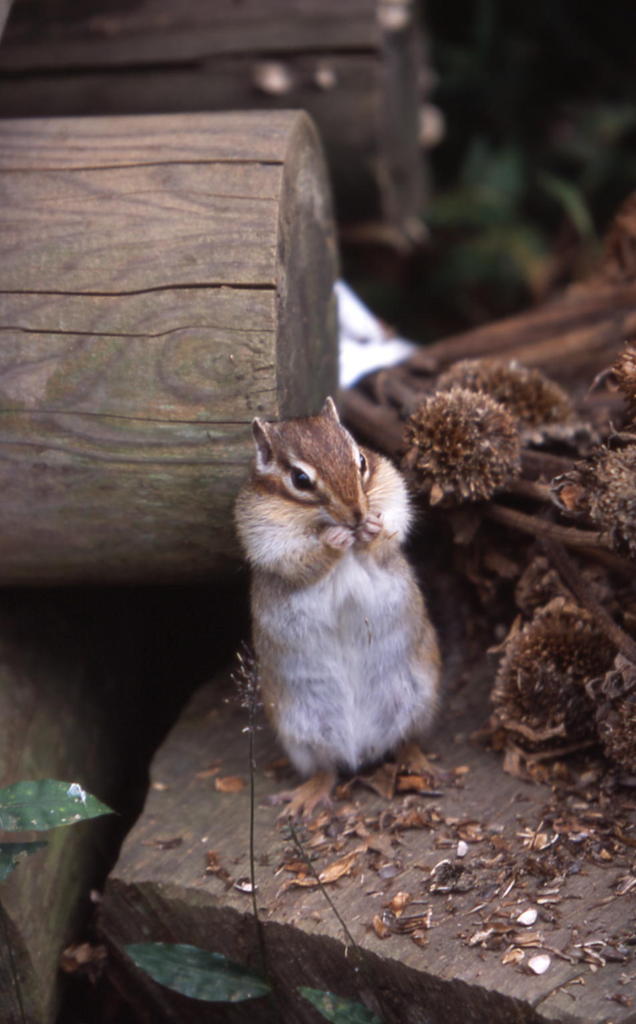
{"x": 89, "y": 681}
{"x": 164, "y": 279}
{"x": 354, "y": 66}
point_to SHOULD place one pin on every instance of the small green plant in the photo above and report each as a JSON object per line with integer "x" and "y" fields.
{"x": 196, "y": 972}
{"x": 12, "y": 853}
{"x": 337, "y": 1010}
{"x": 38, "y": 806}
{"x": 211, "y": 977}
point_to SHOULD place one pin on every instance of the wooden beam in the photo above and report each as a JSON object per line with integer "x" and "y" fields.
{"x": 355, "y": 67}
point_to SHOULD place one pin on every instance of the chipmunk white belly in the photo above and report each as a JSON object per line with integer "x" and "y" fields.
{"x": 349, "y": 651}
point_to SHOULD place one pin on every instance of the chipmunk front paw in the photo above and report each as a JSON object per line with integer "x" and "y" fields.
{"x": 339, "y": 537}
{"x": 370, "y": 528}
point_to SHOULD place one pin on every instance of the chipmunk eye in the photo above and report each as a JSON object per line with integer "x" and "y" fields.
{"x": 300, "y": 479}
{"x": 363, "y": 464}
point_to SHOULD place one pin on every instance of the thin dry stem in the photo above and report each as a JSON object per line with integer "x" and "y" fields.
{"x": 528, "y": 489}
{"x": 571, "y": 536}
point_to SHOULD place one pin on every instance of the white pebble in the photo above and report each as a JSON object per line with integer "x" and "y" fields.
{"x": 539, "y": 964}
{"x": 528, "y": 917}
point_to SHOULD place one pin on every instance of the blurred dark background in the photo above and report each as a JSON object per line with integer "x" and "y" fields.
{"x": 538, "y": 150}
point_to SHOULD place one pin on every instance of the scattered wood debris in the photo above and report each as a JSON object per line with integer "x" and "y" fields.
{"x": 165, "y": 844}
{"x": 229, "y": 783}
{"x": 213, "y": 866}
{"x": 84, "y": 958}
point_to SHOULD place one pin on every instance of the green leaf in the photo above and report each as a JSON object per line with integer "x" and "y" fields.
{"x": 502, "y": 170}
{"x": 41, "y": 804}
{"x": 490, "y": 190}
{"x": 571, "y": 200}
{"x": 196, "y": 973}
{"x": 10, "y": 853}
{"x": 337, "y": 1010}
{"x": 507, "y": 256}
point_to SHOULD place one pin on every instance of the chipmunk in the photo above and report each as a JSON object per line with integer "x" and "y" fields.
{"x": 347, "y": 657}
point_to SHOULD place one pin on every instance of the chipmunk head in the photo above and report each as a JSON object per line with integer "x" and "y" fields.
{"x": 315, "y": 464}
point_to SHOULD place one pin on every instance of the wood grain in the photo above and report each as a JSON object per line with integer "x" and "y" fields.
{"x": 160, "y": 287}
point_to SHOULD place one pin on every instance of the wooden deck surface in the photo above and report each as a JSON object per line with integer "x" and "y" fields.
{"x": 526, "y": 847}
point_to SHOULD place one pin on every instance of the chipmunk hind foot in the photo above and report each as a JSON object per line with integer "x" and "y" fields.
{"x": 411, "y": 756}
{"x": 303, "y": 800}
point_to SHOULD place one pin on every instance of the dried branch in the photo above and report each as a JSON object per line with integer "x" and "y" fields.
{"x": 377, "y": 424}
{"x": 568, "y": 535}
{"x": 539, "y": 463}
{"x": 528, "y": 489}
{"x": 574, "y": 333}
{"x": 571, "y": 576}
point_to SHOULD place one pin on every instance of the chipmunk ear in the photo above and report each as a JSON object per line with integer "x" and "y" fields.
{"x": 263, "y": 445}
{"x": 329, "y": 409}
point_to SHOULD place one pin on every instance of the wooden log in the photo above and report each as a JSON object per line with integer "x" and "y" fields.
{"x": 354, "y": 67}
{"x": 177, "y": 874}
{"x": 77, "y": 671}
{"x": 164, "y": 279}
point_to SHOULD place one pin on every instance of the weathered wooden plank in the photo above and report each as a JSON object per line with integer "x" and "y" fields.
{"x": 157, "y": 30}
{"x": 88, "y": 682}
{"x": 349, "y": 116}
{"x": 161, "y": 891}
{"x": 152, "y": 305}
{"x": 355, "y": 68}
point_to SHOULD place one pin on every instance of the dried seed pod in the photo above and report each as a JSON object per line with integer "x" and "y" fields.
{"x": 526, "y": 393}
{"x": 540, "y": 583}
{"x": 624, "y": 374}
{"x": 539, "y": 691}
{"x": 615, "y": 698}
{"x": 603, "y": 489}
{"x": 462, "y": 446}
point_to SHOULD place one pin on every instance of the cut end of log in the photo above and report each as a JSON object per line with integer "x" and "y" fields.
{"x": 167, "y": 278}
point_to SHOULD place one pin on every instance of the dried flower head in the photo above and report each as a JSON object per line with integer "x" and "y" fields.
{"x": 539, "y": 691}
{"x": 245, "y": 679}
{"x": 528, "y": 394}
{"x": 624, "y": 374}
{"x": 615, "y": 696}
{"x": 462, "y": 446}
{"x": 603, "y": 489}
